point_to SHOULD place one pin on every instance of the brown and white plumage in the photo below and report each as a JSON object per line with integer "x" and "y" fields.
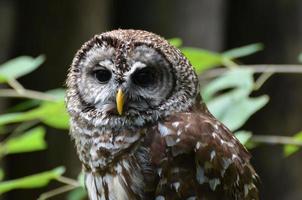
{"x": 165, "y": 145}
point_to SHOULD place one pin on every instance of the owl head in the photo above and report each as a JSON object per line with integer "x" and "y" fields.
{"x": 127, "y": 78}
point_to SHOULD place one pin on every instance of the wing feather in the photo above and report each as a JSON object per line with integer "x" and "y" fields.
{"x": 197, "y": 157}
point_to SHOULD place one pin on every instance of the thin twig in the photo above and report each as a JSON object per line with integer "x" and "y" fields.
{"x": 256, "y": 69}
{"x": 55, "y": 192}
{"x": 262, "y": 79}
{"x": 274, "y": 139}
{"x": 16, "y": 85}
{"x": 229, "y": 63}
{"x": 29, "y": 94}
{"x": 68, "y": 181}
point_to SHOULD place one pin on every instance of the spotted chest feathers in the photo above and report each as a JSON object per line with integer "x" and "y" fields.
{"x": 124, "y": 181}
{"x": 116, "y": 165}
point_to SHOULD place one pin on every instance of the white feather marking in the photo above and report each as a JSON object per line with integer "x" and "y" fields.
{"x": 246, "y": 190}
{"x": 91, "y": 187}
{"x": 187, "y": 126}
{"x": 117, "y": 188}
{"x": 159, "y": 171}
{"x": 213, "y": 154}
{"x": 160, "y": 198}
{"x": 197, "y": 146}
{"x": 227, "y": 143}
{"x": 214, "y": 183}
{"x": 176, "y": 186}
{"x": 175, "y": 124}
{"x": 164, "y": 131}
{"x": 214, "y": 135}
{"x": 201, "y": 178}
{"x": 234, "y": 156}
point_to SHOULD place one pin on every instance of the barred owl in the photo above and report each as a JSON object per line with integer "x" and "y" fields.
{"x": 141, "y": 129}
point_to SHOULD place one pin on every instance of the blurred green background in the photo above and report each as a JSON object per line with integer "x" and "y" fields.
{"x": 57, "y": 29}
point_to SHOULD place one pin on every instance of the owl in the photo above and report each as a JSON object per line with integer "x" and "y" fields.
{"x": 141, "y": 129}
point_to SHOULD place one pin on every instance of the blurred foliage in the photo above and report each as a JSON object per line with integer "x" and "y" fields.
{"x": 300, "y": 58}
{"x": 228, "y": 97}
{"x": 290, "y": 149}
{"x": 33, "y": 181}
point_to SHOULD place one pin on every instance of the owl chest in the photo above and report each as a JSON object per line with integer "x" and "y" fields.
{"x": 116, "y": 168}
{"x": 125, "y": 179}
{"x": 122, "y": 182}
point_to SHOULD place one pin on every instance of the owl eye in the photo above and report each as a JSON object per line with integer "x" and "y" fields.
{"x": 102, "y": 75}
{"x": 144, "y": 77}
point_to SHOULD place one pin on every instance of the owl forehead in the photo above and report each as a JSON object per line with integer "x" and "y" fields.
{"x": 123, "y": 57}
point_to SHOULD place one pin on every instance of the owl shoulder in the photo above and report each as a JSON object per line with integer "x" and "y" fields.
{"x": 194, "y": 154}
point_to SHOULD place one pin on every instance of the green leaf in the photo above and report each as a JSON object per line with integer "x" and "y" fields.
{"x": 32, "y": 181}
{"x": 51, "y": 113}
{"x": 19, "y": 66}
{"x": 32, "y": 140}
{"x": 77, "y": 194}
{"x": 14, "y": 118}
{"x": 202, "y": 59}
{"x": 234, "y": 108}
{"x": 243, "y": 136}
{"x": 238, "y": 78}
{"x": 54, "y": 114}
{"x": 291, "y": 149}
{"x": 2, "y": 174}
{"x": 176, "y": 42}
{"x": 25, "y": 105}
{"x": 243, "y": 51}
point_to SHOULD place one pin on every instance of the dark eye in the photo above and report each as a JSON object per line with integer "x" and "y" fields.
{"x": 102, "y": 75}
{"x": 144, "y": 77}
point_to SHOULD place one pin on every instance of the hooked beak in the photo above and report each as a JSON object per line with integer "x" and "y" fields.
{"x": 120, "y": 101}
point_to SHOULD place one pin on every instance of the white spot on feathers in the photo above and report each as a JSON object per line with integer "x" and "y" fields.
{"x": 247, "y": 188}
{"x": 159, "y": 171}
{"x": 213, "y": 154}
{"x": 160, "y": 198}
{"x": 214, "y": 183}
{"x": 176, "y": 186}
{"x": 187, "y": 126}
{"x": 201, "y": 178}
{"x": 175, "y": 124}
{"x": 197, "y": 146}
{"x": 164, "y": 131}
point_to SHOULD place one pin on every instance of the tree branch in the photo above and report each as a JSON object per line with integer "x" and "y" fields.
{"x": 29, "y": 94}
{"x": 263, "y": 68}
{"x": 55, "y": 192}
{"x": 274, "y": 139}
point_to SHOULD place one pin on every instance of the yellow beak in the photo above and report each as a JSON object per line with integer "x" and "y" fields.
{"x": 120, "y": 101}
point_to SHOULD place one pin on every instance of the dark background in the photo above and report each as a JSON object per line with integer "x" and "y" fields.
{"x": 58, "y": 28}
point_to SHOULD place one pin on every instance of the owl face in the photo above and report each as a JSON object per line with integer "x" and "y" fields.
{"x": 144, "y": 79}
{"x": 128, "y": 77}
